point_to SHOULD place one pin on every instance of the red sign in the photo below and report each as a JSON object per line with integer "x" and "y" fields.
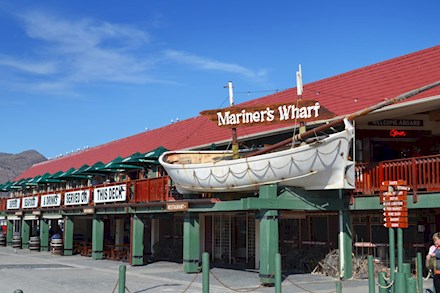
{"x": 396, "y": 209}
{"x": 394, "y": 182}
{"x": 396, "y": 219}
{"x": 395, "y": 214}
{"x": 396, "y": 225}
{"x": 397, "y": 133}
{"x": 395, "y": 198}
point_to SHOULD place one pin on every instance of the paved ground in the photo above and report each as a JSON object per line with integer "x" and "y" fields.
{"x": 41, "y": 272}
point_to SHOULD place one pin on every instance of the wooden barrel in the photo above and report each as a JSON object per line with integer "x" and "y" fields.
{"x": 2, "y": 239}
{"x": 56, "y": 246}
{"x": 16, "y": 241}
{"x": 34, "y": 243}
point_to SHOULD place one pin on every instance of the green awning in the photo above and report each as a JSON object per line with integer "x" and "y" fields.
{"x": 96, "y": 169}
{"x": 46, "y": 178}
{"x": 150, "y": 157}
{"x": 73, "y": 173}
{"x": 118, "y": 164}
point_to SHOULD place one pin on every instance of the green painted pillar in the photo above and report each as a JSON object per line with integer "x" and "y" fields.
{"x": 345, "y": 245}
{"x": 9, "y": 232}
{"x": 97, "y": 238}
{"x": 25, "y": 231}
{"x": 191, "y": 246}
{"x": 269, "y": 236}
{"x": 68, "y": 236}
{"x": 137, "y": 241}
{"x": 44, "y": 235}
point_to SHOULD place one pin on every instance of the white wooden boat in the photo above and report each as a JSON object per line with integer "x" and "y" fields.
{"x": 319, "y": 165}
{"x": 322, "y": 164}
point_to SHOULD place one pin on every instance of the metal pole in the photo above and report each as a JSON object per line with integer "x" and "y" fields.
{"x": 419, "y": 272}
{"x": 121, "y": 285}
{"x": 278, "y": 273}
{"x": 371, "y": 286}
{"x": 205, "y": 272}
{"x": 406, "y": 268}
{"x": 339, "y": 287}
{"x": 399, "y": 249}
{"x": 381, "y": 276}
{"x": 411, "y": 285}
{"x": 392, "y": 254}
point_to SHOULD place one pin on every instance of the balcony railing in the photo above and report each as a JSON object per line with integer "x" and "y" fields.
{"x": 422, "y": 174}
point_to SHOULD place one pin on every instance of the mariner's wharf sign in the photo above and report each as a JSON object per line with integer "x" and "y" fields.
{"x": 110, "y": 193}
{"x": 51, "y": 200}
{"x": 78, "y": 197}
{"x": 13, "y": 204}
{"x": 300, "y": 111}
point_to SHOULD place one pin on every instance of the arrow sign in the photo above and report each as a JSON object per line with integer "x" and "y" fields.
{"x": 395, "y": 198}
{"x": 395, "y": 209}
{"x": 396, "y": 219}
{"x": 396, "y": 203}
{"x": 393, "y": 193}
{"x": 395, "y": 214}
{"x": 396, "y": 225}
{"x": 394, "y": 183}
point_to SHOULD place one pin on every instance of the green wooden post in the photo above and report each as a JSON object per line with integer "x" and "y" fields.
{"x": 137, "y": 241}
{"x": 97, "y": 238}
{"x": 392, "y": 254}
{"x": 411, "y": 285}
{"x": 371, "y": 284}
{"x": 191, "y": 247}
{"x": 381, "y": 280}
{"x": 268, "y": 236}
{"x": 205, "y": 272}
{"x": 345, "y": 246}
{"x": 9, "y": 232}
{"x": 406, "y": 268}
{"x": 399, "y": 249}
{"x": 338, "y": 287}
{"x": 68, "y": 236}
{"x": 25, "y": 231}
{"x": 121, "y": 281}
{"x": 399, "y": 282}
{"x": 44, "y": 235}
{"x": 278, "y": 273}
{"x": 419, "y": 272}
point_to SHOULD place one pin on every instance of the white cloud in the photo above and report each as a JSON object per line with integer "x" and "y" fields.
{"x": 28, "y": 66}
{"x": 209, "y": 64}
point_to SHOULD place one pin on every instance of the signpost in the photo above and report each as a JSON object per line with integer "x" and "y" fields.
{"x": 395, "y": 212}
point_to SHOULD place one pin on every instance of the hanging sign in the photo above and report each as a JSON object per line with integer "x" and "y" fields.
{"x": 178, "y": 206}
{"x": 13, "y": 204}
{"x": 78, "y": 197}
{"x": 51, "y": 200}
{"x": 299, "y": 111}
{"x": 110, "y": 193}
{"x": 30, "y": 202}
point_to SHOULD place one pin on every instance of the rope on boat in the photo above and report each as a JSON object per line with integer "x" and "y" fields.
{"x": 257, "y": 172}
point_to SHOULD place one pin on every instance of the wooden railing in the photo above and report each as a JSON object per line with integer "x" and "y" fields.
{"x": 421, "y": 173}
{"x": 153, "y": 189}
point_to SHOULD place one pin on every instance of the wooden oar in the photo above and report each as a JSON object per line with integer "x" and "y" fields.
{"x": 302, "y": 136}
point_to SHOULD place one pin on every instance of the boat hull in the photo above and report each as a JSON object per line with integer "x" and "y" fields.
{"x": 317, "y": 166}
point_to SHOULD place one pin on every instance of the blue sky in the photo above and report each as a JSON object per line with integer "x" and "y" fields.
{"x": 83, "y": 73}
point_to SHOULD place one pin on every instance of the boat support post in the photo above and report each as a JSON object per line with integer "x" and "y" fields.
{"x": 268, "y": 236}
{"x": 191, "y": 243}
{"x": 345, "y": 242}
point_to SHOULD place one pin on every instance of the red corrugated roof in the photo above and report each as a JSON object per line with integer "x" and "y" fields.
{"x": 341, "y": 94}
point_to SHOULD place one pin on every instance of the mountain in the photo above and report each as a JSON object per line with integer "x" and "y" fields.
{"x": 12, "y": 165}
